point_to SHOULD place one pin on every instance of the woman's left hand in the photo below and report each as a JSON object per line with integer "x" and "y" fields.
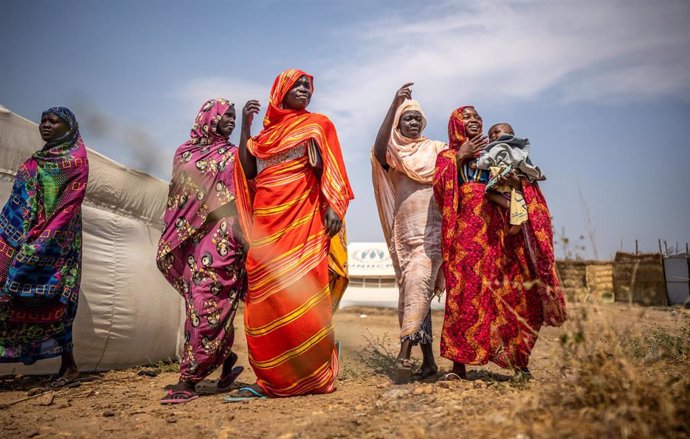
{"x": 511, "y": 179}
{"x": 332, "y": 222}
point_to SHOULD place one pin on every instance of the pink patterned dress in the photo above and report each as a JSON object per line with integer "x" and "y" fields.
{"x": 204, "y": 259}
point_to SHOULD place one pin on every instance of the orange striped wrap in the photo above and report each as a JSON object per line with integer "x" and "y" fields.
{"x": 288, "y": 317}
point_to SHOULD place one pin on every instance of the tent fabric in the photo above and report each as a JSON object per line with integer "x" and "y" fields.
{"x": 128, "y": 315}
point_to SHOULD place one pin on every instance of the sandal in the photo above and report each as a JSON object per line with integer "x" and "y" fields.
{"x": 255, "y": 394}
{"x": 63, "y": 382}
{"x": 225, "y": 381}
{"x": 169, "y": 397}
{"x": 450, "y": 376}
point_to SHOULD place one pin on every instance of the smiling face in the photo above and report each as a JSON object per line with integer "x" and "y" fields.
{"x": 227, "y": 123}
{"x": 52, "y": 127}
{"x": 299, "y": 95}
{"x": 411, "y": 123}
{"x": 473, "y": 122}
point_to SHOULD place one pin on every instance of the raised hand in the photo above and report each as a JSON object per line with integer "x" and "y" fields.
{"x": 384, "y": 134}
{"x": 472, "y": 147}
{"x": 251, "y": 108}
{"x": 404, "y": 92}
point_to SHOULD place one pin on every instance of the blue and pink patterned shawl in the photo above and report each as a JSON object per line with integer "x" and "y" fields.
{"x": 40, "y": 225}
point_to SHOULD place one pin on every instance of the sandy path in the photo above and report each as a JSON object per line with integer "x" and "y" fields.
{"x": 366, "y": 404}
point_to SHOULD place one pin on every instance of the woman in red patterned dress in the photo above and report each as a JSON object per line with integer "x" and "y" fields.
{"x": 501, "y": 288}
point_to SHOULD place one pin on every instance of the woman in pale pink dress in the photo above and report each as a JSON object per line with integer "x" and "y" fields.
{"x": 402, "y": 169}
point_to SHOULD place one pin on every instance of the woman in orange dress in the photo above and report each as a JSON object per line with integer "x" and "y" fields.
{"x": 292, "y": 195}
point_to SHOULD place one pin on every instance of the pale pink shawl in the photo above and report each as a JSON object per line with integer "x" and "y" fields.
{"x": 416, "y": 158}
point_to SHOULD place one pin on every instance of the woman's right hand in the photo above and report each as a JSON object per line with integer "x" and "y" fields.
{"x": 251, "y": 108}
{"x": 472, "y": 147}
{"x": 404, "y": 92}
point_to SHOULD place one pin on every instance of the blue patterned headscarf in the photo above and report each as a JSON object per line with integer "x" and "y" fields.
{"x": 70, "y": 119}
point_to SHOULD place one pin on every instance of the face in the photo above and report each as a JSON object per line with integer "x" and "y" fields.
{"x": 473, "y": 122}
{"x": 52, "y": 127}
{"x": 411, "y": 123}
{"x": 499, "y": 130}
{"x": 299, "y": 95}
{"x": 227, "y": 123}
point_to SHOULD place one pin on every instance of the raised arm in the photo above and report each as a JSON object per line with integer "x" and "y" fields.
{"x": 247, "y": 160}
{"x": 384, "y": 134}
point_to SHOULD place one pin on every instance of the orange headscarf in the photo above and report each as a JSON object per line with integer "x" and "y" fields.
{"x": 285, "y": 129}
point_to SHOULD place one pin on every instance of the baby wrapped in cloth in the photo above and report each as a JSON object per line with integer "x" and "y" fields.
{"x": 508, "y": 153}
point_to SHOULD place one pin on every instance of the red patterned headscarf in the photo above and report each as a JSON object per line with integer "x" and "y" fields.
{"x": 456, "y": 128}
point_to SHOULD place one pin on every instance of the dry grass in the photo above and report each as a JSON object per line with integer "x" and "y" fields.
{"x": 617, "y": 384}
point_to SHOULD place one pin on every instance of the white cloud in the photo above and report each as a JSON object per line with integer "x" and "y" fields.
{"x": 612, "y": 51}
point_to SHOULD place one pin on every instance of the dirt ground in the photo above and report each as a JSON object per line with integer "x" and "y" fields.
{"x": 366, "y": 404}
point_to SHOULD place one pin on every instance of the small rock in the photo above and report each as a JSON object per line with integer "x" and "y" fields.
{"x": 231, "y": 417}
{"x": 148, "y": 373}
{"x": 33, "y": 433}
{"x": 445, "y": 384}
{"x": 359, "y": 407}
{"x": 108, "y": 414}
{"x": 395, "y": 393}
{"x": 46, "y": 399}
{"x": 424, "y": 390}
{"x": 287, "y": 436}
{"x": 170, "y": 419}
{"x": 363, "y": 316}
{"x": 63, "y": 405}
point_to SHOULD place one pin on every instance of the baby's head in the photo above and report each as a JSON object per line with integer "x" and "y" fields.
{"x": 500, "y": 129}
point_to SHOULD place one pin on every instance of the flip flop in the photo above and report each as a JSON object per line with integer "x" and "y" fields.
{"x": 63, "y": 382}
{"x": 225, "y": 382}
{"x": 168, "y": 398}
{"x": 255, "y": 395}
{"x": 451, "y": 376}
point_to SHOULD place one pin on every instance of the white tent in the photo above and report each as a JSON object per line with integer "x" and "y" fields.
{"x": 128, "y": 315}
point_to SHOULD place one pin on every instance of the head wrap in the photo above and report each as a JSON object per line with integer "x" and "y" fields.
{"x": 456, "y": 128}
{"x": 202, "y": 179}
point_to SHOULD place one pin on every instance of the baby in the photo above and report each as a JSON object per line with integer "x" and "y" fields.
{"x": 504, "y": 154}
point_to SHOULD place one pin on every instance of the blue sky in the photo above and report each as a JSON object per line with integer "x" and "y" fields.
{"x": 601, "y": 88}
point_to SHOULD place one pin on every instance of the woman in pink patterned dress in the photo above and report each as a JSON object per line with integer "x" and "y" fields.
{"x": 202, "y": 251}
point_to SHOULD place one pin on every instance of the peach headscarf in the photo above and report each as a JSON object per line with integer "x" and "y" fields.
{"x": 416, "y": 158}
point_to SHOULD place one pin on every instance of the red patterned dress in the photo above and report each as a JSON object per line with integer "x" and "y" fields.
{"x": 501, "y": 288}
